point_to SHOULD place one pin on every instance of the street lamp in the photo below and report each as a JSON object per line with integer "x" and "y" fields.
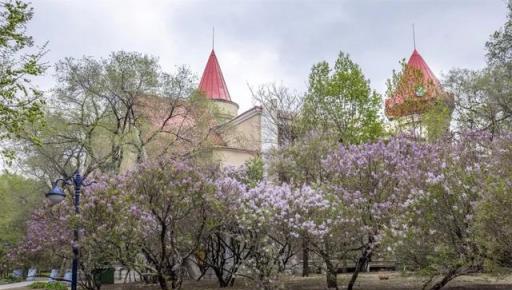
{"x": 56, "y": 195}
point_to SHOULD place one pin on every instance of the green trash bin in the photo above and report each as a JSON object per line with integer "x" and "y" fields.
{"x": 105, "y": 275}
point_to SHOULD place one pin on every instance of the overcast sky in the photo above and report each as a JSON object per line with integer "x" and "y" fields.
{"x": 259, "y": 42}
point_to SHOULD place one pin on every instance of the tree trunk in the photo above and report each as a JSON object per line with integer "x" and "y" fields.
{"x": 361, "y": 262}
{"x": 97, "y": 286}
{"x": 331, "y": 275}
{"x": 359, "y": 266}
{"x": 220, "y": 277}
{"x": 176, "y": 277}
{"x": 305, "y": 257}
{"x": 447, "y": 278}
{"x": 223, "y": 284}
{"x": 117, "y": 156}
{"x": 162, "y": 282}
{"x": 176, "y": 283}
{"x": 62, "y": 268}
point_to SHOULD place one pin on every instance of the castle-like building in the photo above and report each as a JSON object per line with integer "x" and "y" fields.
{"x": 238, "y": 137}
{"x": 241, "y": 136}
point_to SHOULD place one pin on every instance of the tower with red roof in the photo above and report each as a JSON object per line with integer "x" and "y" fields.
{"x": 214, "y": 87}
{"x": 416, "y": 90}
{"x": 235, "y": 137}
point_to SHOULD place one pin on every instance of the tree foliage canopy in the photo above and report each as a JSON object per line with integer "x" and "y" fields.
{"x": 340, "y": 103}
{"x": 20, "y": 102}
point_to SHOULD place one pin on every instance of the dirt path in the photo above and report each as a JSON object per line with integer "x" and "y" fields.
{"x": 367, "y": 281}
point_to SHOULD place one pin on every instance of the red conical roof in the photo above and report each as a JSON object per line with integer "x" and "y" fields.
{"x": 417, "y": 62}
{"x": 212, "y": 82}
{"x": 418, "y": 87}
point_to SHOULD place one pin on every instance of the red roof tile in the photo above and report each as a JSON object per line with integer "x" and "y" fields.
{"x": 212, "y": 82}
{"x": 417, "y": 62}
{"x": 406, "y": 99}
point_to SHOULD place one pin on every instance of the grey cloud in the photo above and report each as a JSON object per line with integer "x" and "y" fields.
{"x": 265, "y": 41}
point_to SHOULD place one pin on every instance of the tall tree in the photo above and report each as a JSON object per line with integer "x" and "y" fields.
{"x": 339, "y": 107}
{"x": 484, "y": 97}
{"x": 340, "y": 103}
{"x": 475, "y": 106}
{"x": 281, "y": 109}
{"x": 499, "y": 46}
{"x": 20, "y": 101}
{"x": 18, "y": 195}
{"x": 111, "y": 113}
{"x": 499, "y": 58}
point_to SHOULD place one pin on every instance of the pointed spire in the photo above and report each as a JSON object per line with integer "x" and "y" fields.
{"x": 212, "y": 82}
{"x": 417, "y": 62}
{"x": 413, "y": 36}
{"x": 413, "y": 95}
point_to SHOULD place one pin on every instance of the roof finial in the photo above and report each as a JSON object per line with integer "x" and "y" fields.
{"x": 213, "y": 37}
{"x": 413, "y": 37}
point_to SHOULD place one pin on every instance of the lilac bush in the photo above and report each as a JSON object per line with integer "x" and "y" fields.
{"x": 158, "y": 210}
{"x": 434, "y": 208}
{"x": 269, "y": 219}
{"x": 254, "y": 224}
{"x": 49, "y": 231}
{"x": 437, "y": 233}
{"x": 493, "y": 216}
{"x": 169, "y": 203}
{"x": 369, "y": 183}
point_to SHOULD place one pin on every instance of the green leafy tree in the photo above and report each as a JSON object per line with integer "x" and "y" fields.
{"x": 437, "y": 120}
{"x": 499, "y": 58}
{"x": 300, "y": 162}
{"x": 20, "y": 102}
{"x": 483, "y": 97}
{"x": 339, "y": 107}
{"x": 109, "y": 114}
{"x": 18, "y": 195}
{"x": 341, "y": 104}
{"x": 253, "y": 171}
{"x": 493, "y": 218}
{"x": 476, "y": 107}
{"x": 499, "y": 46}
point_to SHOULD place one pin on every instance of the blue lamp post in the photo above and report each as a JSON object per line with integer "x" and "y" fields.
{"x": 56, "y": 195}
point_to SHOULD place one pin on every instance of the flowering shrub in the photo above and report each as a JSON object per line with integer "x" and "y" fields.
{"x": 50, "y": 229}
{"x": 253, "y": 224}
{"x": 267, "y": 220}
{"x": 170, "y": 209}
{"x": 493, "y": 218}
{"x": 439, "y": 209}
{"x": 158, "y": 210}
{"x": 436, "y": 235}
{"x": 367, "y": 184}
